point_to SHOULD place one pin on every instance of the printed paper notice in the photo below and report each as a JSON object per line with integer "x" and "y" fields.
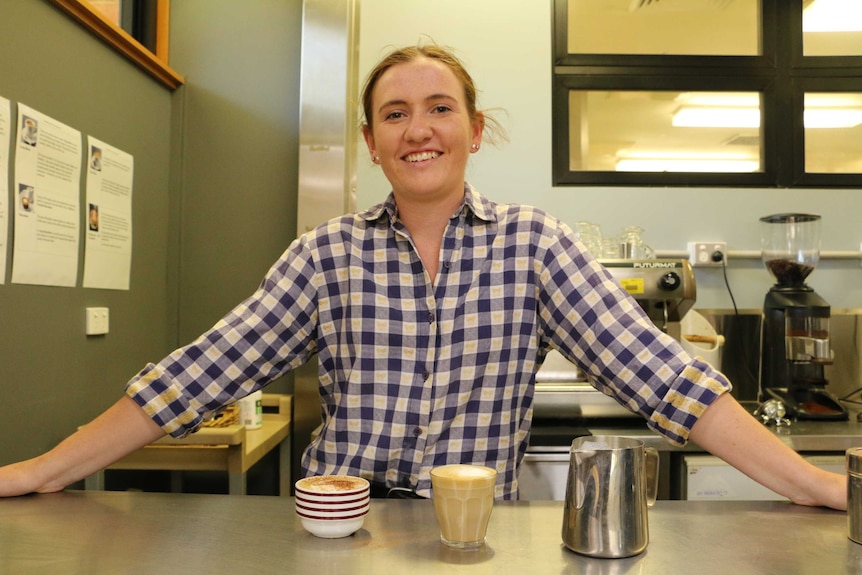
{"x": 108, "y": 248}
{"x": 5, "y": 123}
{"x": 47, "y": 201}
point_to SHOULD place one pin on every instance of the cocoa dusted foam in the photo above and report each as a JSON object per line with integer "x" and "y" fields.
{"x": 332, "y": 483}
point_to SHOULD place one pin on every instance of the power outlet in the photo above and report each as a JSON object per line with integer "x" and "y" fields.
{"x": 707, "y": 254}
{"x": 97, "y": 320}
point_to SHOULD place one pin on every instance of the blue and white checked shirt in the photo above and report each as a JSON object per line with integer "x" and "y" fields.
{"x": 414, "y": 375}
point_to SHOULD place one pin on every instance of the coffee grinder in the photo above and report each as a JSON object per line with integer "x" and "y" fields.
{"x": 795, "y": 345}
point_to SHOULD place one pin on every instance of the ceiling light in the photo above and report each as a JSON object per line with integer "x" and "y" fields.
{"x": 732, "y": 117}
{"x": 832, "y": 118}
{"x": 832, "y": 16}
{"x": 681, "y": 161}
{"x": 722, "y": 99}
{"x": 833, "y": 100}
{"x": 686, "y": 165}
{"x": 716, "y": 117}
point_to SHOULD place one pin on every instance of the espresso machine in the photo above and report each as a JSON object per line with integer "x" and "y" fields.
{"x": 795, "y": 333}
{"x": 664, "y": 288}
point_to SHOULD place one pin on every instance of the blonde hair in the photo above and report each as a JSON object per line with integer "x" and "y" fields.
{"x": 494, "y": 131}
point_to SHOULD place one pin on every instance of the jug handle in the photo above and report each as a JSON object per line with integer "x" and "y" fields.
{"x": 651, "y": 475}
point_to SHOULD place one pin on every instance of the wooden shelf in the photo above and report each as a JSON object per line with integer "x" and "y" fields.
{"x": 233, "y": 449}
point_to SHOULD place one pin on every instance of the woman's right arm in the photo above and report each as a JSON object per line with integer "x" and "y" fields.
{"x": 121, "y": 429}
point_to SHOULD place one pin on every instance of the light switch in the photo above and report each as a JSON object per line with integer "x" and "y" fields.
{"x": 97, "y": 320}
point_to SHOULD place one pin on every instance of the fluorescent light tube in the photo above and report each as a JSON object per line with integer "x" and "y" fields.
{"x": 687, "y": 165}
{"x": 833, "y": 16}
{"x": 826, "y": 118}
{"x": 716, "y": 117}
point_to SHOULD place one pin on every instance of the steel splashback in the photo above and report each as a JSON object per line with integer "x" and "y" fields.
{"x": 563, "y": 392}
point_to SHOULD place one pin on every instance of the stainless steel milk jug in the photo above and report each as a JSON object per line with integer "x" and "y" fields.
{"x": 612, "y": 481}
{"x": 854, "y": 493}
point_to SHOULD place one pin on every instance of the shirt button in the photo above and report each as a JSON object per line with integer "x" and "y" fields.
{"x": 430, "y": 317}
{"x": 417, "y": 431}
{"x": 425, "y": 376}
{"x": 446, "y": 266}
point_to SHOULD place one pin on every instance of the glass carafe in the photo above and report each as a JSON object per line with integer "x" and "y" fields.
{"x": 591, "y": 236}
{"x": 632, "y": 246}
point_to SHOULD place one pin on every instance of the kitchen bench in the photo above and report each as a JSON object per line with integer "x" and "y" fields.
{"x": 233, "y": 449}
{"x": 544, "y": 471}
{"x": 108, "y": 532}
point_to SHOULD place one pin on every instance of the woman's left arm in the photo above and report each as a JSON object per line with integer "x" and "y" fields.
{"x": 728, "y": 431}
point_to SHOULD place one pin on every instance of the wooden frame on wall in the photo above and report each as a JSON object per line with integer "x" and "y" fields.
{"x": 156, "y": 65}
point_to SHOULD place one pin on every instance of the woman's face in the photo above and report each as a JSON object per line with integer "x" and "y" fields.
{"x": 421, "y": 130}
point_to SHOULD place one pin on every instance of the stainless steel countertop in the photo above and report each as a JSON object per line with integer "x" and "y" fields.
{"x": 93, "y": 533}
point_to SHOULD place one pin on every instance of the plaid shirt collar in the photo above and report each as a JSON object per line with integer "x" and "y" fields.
{"x": 473, "y": 203}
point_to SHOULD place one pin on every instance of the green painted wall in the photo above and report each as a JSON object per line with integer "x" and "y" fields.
{"x": 240, "y": 148}
{"x": 213, "y": 203}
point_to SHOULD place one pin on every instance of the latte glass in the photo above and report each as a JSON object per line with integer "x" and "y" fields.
{"x": 463, "y": 500}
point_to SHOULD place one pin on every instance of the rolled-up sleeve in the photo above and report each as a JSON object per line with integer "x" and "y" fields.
{"x": 268, "y": 334}
{"x": 596, "y": 324}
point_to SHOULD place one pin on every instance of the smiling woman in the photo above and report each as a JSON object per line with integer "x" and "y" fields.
{"x": 155, "y": 64}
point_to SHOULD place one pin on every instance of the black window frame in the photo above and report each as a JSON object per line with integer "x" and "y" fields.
{"x": 781, "y": 73}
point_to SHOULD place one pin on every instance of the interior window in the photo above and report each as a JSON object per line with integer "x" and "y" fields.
{"x": 833, "y": 132}
{"x": 707, "y": 92}
{"x": 664, "y": 131}
{"x": 696, "y": 27}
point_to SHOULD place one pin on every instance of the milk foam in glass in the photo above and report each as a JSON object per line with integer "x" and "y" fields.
{"x": 463, "y": 500}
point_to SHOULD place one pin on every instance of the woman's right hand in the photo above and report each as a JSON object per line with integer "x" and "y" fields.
{"x": 22, "y": 478}
{"x": 121, "y": 429}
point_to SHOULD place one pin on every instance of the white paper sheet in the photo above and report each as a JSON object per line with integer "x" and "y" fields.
{"x": 5, "y": 129}
{"x": 108, "y": 247}
{"x": 47, "y": 200}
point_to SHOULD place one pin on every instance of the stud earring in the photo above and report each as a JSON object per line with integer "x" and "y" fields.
{"x": 375, "y": 159}
{"x": 475, "y": 147}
